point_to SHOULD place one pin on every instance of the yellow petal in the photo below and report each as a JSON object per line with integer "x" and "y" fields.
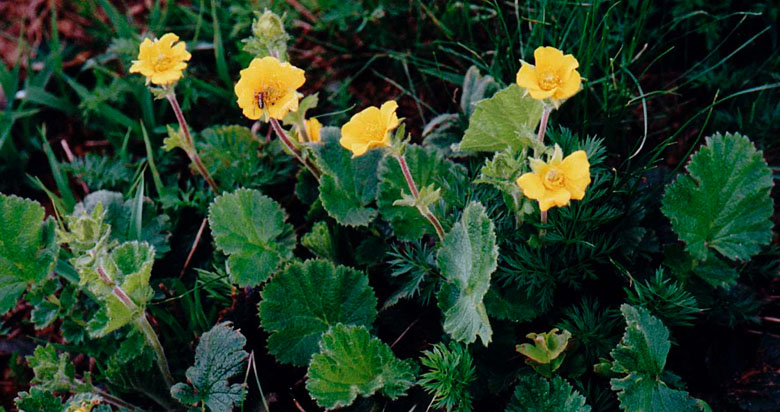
{"x": 526, "y": 77}
{"x": 569, "y": 64}
{"x": 286, "y": 104}
{"x": 540, "y": 94}
{"x": 168, "y": 39}
{"x": 548, "y": 59}
{"x": 532, "y": 186}
{"x": 558, "y": 198}
{"x": 538, "y": 166}
{"x": 570, "y": 86}
{"x": 388, "y": 114}
{"x": 313, "y": 127}
{"x": 577, "y": 187}
{"x": 576, "y": 166}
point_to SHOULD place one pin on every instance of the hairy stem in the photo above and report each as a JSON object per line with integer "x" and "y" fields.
{"x": 143, "y": 324}
{"x": 192, "y": 153}
{"x": 543, "y": 123}
{"x": 287, "y": 142}
{"x": 154, "y": 342}
{"x": 426, "y": 213}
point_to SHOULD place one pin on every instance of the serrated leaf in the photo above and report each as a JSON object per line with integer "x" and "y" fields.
{"x": 501, "y": 121}
{"x": 641, "y": 355}
{"x": 348, "y": 185}
{"x": 534, "y": 393}
{"x": 305, "y": 300}
{"x": 128, "y": 267}
{"x": 44, "y": 314}
{"x": 38, "y": 400}
{"x": 52, "y": 372}
{"x": 352, "y": 363}
{"x": 428, "y": 167}
{"x": 249, "y": 227}
{"x": 640, "y": 393}
{"x": 118, "y": 212}
{"x": 645, "y": 344}
{"x": 319, "y": 241}
{"x": 467, "y": 258}
{"x": 716, "y": 272}
{"x": 219, "y": 356}
{"x": 510, "y": 305}
{"x": 28, "y": 248}
{"x": 724, "y": 202}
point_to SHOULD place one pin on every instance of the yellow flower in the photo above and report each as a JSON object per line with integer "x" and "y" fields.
{"x": 269, "y": 86}
{"x": 556, "y": 182}
{"x": 160, "y": 60}
{"x": 555, "y": 75}
{"x": 313, "y": 127}
{"x": 370, "y": 128}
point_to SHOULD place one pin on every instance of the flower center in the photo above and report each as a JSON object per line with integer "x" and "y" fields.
{"x": 163, "y": 63}
{"x": 549, "y": 81}
{"x": 554, "y": 179}
{"x": 267, "y": 97}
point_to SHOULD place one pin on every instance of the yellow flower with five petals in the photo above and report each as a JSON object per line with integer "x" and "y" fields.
{"x": 160, "y": 60}
{"x": 557, "y": 181}
{"x": 554, "y": 77}
{"x": 313, "y": 127}
{"x": 269, "y": 87}
{"x": 370, "y": 128}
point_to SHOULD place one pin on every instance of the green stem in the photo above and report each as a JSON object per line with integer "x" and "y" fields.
{"x": 426, "y": 213}
{"x": 143, "y": 324}
{"x": 154, "y": 342}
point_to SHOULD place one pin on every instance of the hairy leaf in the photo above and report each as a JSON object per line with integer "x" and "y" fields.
{"x": 350, "y": 363}
{"x": 724, "y": 202}
{"x": 250, "y": 228}
{"x": 348, "y": 185}
{"x": 428, "y": 167}
{"x": 38, "y": 400}
{"x": 502, "y": 122}
{"x": 641, "y": 355}
{"x": 319, "y": 241}
{"x": 52, "y": 372}
{"x": 119, "y": 212}
{"x": 534, "y": 393}
{"x": 475, "y": 88}
{"x": 219, "y": 356}
{"x": 28, "y": 248}
{"x": 305, "y": 300}
{"x": 467, "y": 258}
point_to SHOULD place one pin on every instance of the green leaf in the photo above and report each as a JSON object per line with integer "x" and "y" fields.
{"x": 645, "y": 343}
{"x": 319, "y": 241}
{"x": 28, "y": 248}
{"x": 44, "y": 314}
{"x": 641, "y": 355}
{"x": 350, "y": 363}
{"x": 38, "y": 400}
{"x": 724, "y": 202}
{"x": 475, "y": 88}
{"x": 450, "y": 373}
{"x": 467, "y": 258}
{"x": 129, "y": 267}
{"x": 250, "y": 228}
{"x": 219, "y": 356}
{"x": 52, "y": 372}
{"x": 119, "y": 212}
{"x": 545, "y": 355}
{"x": 305, "y": 300}
{"x": 348, "y": 185}
{"x": 510, "y": 304}
{"x": 428, "y": 167}
{"x": 501, "y": 122}
{"x": 640, "y": 393}
{"x": 534, "y": 393}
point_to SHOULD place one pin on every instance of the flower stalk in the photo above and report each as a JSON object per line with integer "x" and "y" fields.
{"x": 543, "y": 123}
{"x": 192, "y": 152}
{"x": 426, "y": 213}
{"x": 285, "y": 138}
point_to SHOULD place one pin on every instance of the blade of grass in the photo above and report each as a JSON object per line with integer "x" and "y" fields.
{"x": 60, "y": 178}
